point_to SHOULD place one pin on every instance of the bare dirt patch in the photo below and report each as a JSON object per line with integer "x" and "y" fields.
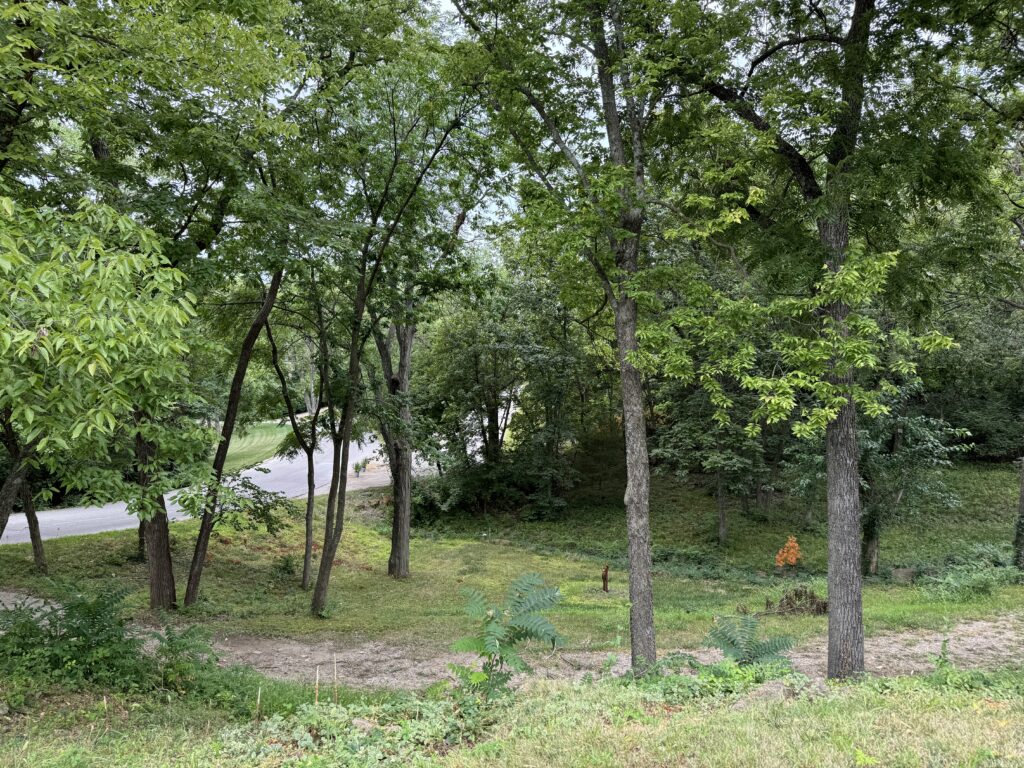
{"x": 378, "y": 664}
{"x": 982, "y": 644}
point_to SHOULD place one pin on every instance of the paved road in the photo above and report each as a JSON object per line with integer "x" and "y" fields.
{"x": 287, "y": 476}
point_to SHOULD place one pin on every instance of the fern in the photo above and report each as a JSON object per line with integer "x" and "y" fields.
{"x": 502, "y": 628}
{"x": 737, "y": 638}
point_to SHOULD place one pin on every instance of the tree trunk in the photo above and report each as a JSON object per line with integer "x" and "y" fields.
{"x": 307, "y": 557}
{"x": 871, "y": 542}
{"x": 162, "y": 595}
{"x": 28, "y": 506}
{"x": 400, "y": 456}
{"x": 637, "y": 499}
{"x": 195, "y": 572}
{"x": 141, "y": 548}
{"x": 9, "y": 493}
{"x": 720, "y": 503}
{"x": 492, "y": 437}
{"x": 398, "y": 562}
{"x": 334, "y": 524}
{"x": 845, "y": 616}
{"x": 1018, "y": 539}
{"x": 845, "y": 611}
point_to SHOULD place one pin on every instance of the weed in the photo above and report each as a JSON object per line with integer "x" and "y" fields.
{"x": 502, "y": 628}
{"x": 736, "y": 637}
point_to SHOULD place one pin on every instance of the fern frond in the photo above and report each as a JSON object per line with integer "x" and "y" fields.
{"x": 476, "y": 603}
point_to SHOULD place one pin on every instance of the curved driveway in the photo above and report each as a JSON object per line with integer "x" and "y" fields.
{"x": 287, "y": 476}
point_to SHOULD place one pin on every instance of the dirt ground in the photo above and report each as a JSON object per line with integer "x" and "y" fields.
{"x": 978, "y": 644}
{"x": 376, "y": 664}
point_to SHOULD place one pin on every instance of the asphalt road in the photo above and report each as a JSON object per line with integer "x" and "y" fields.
{"x": 288, "y": 476}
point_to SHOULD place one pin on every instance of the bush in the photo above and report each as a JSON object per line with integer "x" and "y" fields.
{"x": 736, "y": 637}
{"x": 87, "y": 641}
{"x": 962, "y": 583}
{"x": 979, "y": 555}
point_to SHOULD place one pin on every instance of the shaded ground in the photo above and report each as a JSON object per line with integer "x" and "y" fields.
{"x": 377, "y": 664}
{"x": 980, "y": 644}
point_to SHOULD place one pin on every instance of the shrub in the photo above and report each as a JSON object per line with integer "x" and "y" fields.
{"x": 962, "y": 583}
{"x": 183, "y": 657}
{"x": 979, "y": 554}
{"x": 500, "y": 629}
{"x": 802, "y": 599}
{"x": 86, "y": 640}
{"x": 736, "y": 637}
{"x": 789, "y": 555}
{"x": 403, "y": 732}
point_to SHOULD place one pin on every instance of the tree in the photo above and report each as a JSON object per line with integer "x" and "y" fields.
{"x": 403, "y": 117}
{"x": 73, "y": 335}
{"x": 566, "y": 83}
{"x": 879, "y": 83}
{"x": 305, "y": 425}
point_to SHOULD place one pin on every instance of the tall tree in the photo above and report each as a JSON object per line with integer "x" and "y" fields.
{"x": 879, "y": 82}
{"x": 567, "y": 82}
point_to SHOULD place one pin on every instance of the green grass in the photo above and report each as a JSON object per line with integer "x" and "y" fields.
{"x": 245, "y": 588}
{"x": 960, "y": 721}
{"x": 860, "y": 725}
{"x": 254, "y": 444}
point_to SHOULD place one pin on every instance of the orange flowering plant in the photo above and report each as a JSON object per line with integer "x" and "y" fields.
{"x": 789, "y": 555}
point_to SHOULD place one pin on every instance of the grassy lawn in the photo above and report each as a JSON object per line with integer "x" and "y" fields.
{"x": 874, "y": 723}
{"x": 860, "y": 725}
{"x": 251, "y": 587}
{"x": 255, "y": 444}
{"x": 250, "y": 583}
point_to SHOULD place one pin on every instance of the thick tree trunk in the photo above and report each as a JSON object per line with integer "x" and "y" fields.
{"x": 195, "y": 572}
{"x": 162, "y": 595}
{"x": 1018, "y": 539}
{"x": 28, "y": 506}
{"x": 845, "y": 612}
{"x": 637, "y": 499}
{"x": 307, "y": 556}
{"x": 871, "y": 542}
{"x": 401, "y": 468}
{"x": 845, "y": 616}
{"x": 400, "y": 458}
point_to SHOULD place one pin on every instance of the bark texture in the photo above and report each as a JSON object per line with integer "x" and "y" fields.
{"x": 162, "y": 594}
{"x": 637, "y": 499}
{"x": 845, "y": 616}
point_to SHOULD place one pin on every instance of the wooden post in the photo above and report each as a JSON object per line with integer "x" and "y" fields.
{"x": 604, "y": 579}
